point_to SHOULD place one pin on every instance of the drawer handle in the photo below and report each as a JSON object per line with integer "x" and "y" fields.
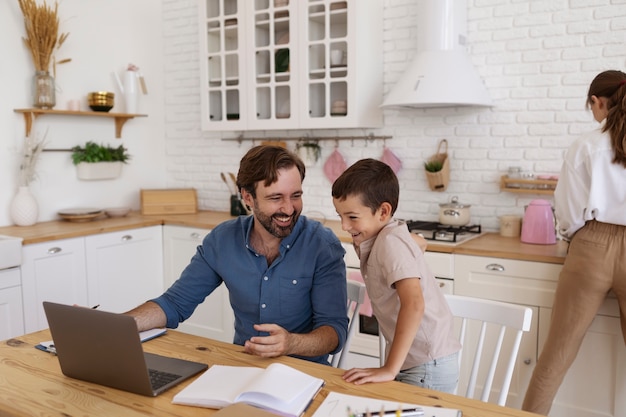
{"x": 54, "y": 250}
{"x": 195, "y": 235}
{"x": 495, "y": 267}
{"x": 527, "y": 361}
{"x": 126, "y": 238}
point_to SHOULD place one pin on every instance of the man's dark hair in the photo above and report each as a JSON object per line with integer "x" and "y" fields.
{"x": 261, "y": 163}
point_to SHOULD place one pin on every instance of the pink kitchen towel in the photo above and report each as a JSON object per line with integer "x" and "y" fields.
{"x": 391, "y": 159}
{"x": 334, "y": 166}
{"x": 366, "y": 308}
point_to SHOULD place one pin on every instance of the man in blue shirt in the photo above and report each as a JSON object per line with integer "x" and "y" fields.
{"x": 285, "y": 273}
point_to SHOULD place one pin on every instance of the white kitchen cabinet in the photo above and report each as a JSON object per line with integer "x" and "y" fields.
{"x": 11, "y": 311}
{"x": 596, "y": 381}
{"x": 595, "y": 384}
{"x": 266, "y": 64}
{"x": 52, "y": 271}
{"x": 214, "y": 318}
{"x": 521, "y": 282}
{"x": 124, "y": 269}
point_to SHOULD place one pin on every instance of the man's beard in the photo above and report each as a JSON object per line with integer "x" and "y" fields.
{"x": 272, "y": 228}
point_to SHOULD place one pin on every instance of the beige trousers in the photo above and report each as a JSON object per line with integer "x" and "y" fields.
{"x": 595, "y": 264}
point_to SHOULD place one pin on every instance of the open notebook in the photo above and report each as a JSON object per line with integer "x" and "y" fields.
{"x": 278, "y": 388}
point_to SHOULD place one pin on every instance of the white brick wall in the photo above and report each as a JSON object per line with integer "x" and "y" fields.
{"x": 536, "y": 57}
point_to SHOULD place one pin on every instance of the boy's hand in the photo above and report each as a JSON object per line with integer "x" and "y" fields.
{"x": 361, "y": 376}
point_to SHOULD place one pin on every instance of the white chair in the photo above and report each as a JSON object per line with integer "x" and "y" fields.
{"x": 485, "y": 346}
{"x": 356, "y": 296}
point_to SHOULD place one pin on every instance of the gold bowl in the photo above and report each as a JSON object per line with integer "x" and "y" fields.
{"x": 101, "y": 100}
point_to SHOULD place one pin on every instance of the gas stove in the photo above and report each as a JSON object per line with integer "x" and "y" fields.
{"x": 443, "y": 233}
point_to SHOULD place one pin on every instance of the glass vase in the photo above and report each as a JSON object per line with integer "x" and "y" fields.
{"x": 43, "y": 90}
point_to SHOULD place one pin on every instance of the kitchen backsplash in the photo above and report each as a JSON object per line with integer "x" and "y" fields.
{"x": 536, "y": 58}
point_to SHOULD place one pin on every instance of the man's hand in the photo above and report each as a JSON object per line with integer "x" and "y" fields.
{"x": 278, "y": 342}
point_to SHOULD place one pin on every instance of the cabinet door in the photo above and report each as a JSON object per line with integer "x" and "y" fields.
{"x": 213, "y": 318}
{"x": 281, "y": 64}
{"x": 52, "y": 271}
{"x": 595, "y": 384}
{"x": 125, "y": 268}
{"x": 11, "y": 311}
{"x": 274, "y": 71}
{"x": 222, "y": 56}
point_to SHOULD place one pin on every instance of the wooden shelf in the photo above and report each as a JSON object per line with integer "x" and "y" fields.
{"x": 519, "y": 185}
{"x": 120, "y": 118}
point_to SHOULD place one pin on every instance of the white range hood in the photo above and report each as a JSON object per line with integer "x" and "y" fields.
{"x": 441, "y": 74}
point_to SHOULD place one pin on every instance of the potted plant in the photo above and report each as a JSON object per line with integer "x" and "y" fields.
{"x": 98, "y": 162}
{"x": 309, "y": 152}
{"x": 437, "y": 168}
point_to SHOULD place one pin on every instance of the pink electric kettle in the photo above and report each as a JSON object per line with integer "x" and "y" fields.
{"x": 539, "y": 225}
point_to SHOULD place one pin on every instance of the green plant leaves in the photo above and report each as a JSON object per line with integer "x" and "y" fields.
{"x": 92, "y": 152}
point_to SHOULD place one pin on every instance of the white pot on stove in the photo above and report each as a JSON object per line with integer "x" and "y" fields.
{"x": 454, "y": 213}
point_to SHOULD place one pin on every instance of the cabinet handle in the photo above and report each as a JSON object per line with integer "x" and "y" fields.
{"x": 126, "y": 238}
{"x": 195, "y": 235}
{"x": 54, "y": 250}
{"x": 495, "y": 267}
{"x": 527, "y": 361}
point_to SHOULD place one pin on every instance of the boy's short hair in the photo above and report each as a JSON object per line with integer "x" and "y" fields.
{"x": 371, "y": 180}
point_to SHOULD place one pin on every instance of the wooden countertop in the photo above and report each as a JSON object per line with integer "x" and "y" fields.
{"x": 489, "y": 244}
{"x": 32, "y": 383}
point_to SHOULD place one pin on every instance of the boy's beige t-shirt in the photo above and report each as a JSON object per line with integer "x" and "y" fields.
{"x": 389, "y": 257}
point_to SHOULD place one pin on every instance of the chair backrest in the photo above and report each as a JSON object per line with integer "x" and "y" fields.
{"x": 356, "y": 296}
{"x": 500, "y": 319}
{"x": 490, "y": 333}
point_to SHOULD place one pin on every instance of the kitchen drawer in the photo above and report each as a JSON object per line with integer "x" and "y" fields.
{"x": 521, "y": 282}
{"x": 441, "y": 264}
{"x": 10, "y": 277}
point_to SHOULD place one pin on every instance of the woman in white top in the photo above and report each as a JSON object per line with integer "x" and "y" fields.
{"x": 590, "y": 203}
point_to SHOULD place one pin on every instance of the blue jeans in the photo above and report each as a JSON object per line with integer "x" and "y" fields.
{"x": 440, "y": 374}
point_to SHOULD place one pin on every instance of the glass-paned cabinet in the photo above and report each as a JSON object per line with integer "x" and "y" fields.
{"x": 291, "y": 64}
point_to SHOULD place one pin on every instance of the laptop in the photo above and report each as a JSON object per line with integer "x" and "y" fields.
{"x": 104, "y": 348}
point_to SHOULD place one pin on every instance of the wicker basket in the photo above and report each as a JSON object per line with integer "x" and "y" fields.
{"x": 438, "y": 181}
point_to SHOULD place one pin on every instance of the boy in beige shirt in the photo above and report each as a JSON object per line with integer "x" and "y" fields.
{"x": 412, "y": 313}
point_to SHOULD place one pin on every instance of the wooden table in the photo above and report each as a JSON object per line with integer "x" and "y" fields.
{"x": 31, "y": 383}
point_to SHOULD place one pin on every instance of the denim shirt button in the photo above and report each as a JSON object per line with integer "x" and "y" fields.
{"x": 263, "y": 305}
{"x": 294, "y": 282}
{"x": 265, "y": 278}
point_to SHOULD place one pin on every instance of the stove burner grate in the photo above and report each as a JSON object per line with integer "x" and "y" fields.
{"x": 441, "y": 232}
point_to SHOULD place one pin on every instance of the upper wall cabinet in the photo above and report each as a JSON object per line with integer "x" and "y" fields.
{"x": 287, "y": 64}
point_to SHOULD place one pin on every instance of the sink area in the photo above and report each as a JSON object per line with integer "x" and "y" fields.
{"x": 10, "y": 251}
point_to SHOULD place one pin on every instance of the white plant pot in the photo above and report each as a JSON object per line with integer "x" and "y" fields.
{"x": 98, "y": 170}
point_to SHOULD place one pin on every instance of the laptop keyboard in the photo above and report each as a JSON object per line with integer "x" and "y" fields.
{"x": 160, "y": 378}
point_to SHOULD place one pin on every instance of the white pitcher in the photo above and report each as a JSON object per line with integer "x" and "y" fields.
{"x": 130, "y": 90}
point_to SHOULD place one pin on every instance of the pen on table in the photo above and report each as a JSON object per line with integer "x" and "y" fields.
{"x": 96, "y": 306}
{"x": 400, "y": 412}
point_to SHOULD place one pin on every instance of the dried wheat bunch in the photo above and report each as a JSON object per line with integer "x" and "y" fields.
{"x": 42, "y": 32}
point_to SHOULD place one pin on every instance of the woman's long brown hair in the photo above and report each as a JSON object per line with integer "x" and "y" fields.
{"x": 612, "y": 85}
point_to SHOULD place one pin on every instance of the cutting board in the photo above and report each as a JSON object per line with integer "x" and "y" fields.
{"x": 169, "y": 201}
